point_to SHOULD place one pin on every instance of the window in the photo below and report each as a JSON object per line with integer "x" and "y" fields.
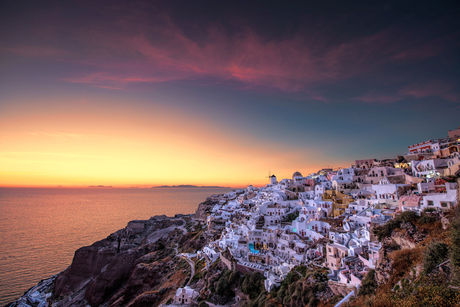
{"x": 444, "y": 204}
{"x": 430, "y": 203}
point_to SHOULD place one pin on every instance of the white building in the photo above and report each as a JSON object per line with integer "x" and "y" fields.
{"x": 425, "y": 147}
{"x": 184, "y": 296}
{"x": 444, "y": 200}
{"x": 388, "y": 191}
{"x": 211, "y": 253}
{"x": 429, "y": 168}
{"x": 376, "y": 173}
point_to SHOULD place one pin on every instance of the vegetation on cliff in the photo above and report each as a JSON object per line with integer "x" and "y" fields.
{"x": 301, "y": 287}
{"x": 427, "y": 275}
{"x": 145, "y": 263}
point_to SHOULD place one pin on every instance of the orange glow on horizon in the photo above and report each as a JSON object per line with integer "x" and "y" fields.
{"x": 121, "y": 147}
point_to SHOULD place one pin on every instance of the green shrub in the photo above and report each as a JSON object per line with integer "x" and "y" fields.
{"x": 226, "y": 281}
{"x": 435, "y": 254}
{"x": 385, "y": 230}
{"x": 292, "y": 216}
{"x": 335, "y": 299}
{"x": 408, "y": 216}
{"x": 280, "y": 295}
{"x": 260, "y": 301}
{"x": 290, "y": 278}
{"x": 455, "y": 248}
{"x": 196, "y": 277}
{"x": 368, "y": 285}
{"x": 253, "y": 285}
{"x": 426, "y": 219}
{"x": 302, "y": 269}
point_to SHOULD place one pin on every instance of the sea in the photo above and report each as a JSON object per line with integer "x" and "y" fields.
{"x": 41, "y": 228}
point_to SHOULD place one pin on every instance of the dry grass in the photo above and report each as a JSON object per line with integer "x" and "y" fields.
{"x": 404, "y": 260}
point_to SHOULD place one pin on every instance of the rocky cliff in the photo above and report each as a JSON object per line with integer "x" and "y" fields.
{"x": 145, "y": 263}
{"x": 205, "y": 208}
{"x": 136, "y": 266}
{"x": 418, "y": 263}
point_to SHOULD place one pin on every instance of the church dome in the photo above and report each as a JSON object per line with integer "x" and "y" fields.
{"x": 296, "y": 174}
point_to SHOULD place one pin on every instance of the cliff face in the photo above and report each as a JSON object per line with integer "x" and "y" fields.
{"x": 405, "y": 238}
{"x": 136, "y": 266}
{"x": 145, "y": 263}
{"x": 88, "y": 261}
{"x": 416, "y": 265}
{"x": 204, "y": 208}
{"x": 384, "y": 263}
{"x": 109, "y": 280}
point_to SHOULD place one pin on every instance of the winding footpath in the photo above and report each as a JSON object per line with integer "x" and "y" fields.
{"x": 192, "y": 266}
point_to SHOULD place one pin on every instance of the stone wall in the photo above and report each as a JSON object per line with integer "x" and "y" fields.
{"x": 230, "y": 265}
{"x": 412, "y": 179}
{"x": 341, "y": 288}
{"x": 244, "y": 269}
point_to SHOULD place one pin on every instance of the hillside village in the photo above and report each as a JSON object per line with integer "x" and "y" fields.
{"x": 326, "y": 219}
{"x": 378, "y": 233}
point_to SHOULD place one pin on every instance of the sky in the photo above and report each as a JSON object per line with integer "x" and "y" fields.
{"x": 145, "y": 93}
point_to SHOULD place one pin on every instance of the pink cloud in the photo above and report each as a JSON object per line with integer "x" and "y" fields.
{"x": 289, "y": 65}
{"x": 434, "y": 88}
{"x": 425, "y": 50}
{"x": 418, "y": 53}
{"x": 137, "y": 51}
{"x": 101, "y": 78}
{"x": 376, "y": 98}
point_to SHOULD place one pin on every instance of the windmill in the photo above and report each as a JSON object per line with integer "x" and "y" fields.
{"x": 269, "y": 175}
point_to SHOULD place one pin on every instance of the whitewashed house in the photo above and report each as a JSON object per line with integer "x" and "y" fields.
{"x": 184, "y": 296}
{"x": 444, "y": 200}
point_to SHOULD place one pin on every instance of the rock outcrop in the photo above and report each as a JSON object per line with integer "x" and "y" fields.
{"x": 204, "y": 209}
{"x": 88, "y": 262}
{"x": 111, "y": 278}
{"x": 384, "y": 263}
{"x": 136, "y": 266}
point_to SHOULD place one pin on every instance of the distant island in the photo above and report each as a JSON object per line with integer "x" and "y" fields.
{"x": 189, "y": 186}
{"x": 99, "y": 186}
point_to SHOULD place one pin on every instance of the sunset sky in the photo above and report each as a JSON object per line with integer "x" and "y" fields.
{"x": 144, "y": 93}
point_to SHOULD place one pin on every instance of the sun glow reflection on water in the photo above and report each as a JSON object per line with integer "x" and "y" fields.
{"x": 42, "y": 227}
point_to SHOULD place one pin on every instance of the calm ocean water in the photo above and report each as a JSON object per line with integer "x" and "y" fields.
{"x": 41, "y": 228}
